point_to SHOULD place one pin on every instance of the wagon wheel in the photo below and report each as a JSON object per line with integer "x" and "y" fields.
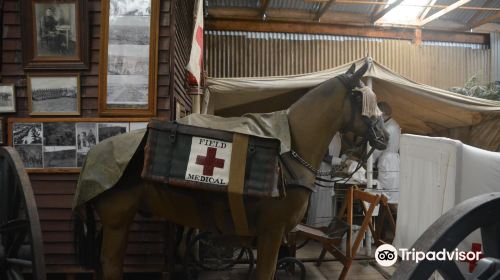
{"x": 480, "y": 212}
{"x": 290, "y": 268}
{"x": 207, "y": 251}
{"x": 214, "y": 254}
{"x": 20, "y": 235}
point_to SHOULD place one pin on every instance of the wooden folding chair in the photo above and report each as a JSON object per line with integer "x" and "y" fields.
{"x": 331, "y": 237}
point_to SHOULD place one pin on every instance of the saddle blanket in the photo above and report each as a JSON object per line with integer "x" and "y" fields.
{"x": 211, "y": 159}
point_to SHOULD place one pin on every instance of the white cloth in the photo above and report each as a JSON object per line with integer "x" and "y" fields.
{"x": 436, "y": 174}
{"x": 320, "y": 212}
{"x": 388, "y": 162}
{"x": 194, "y": 65}
{"x": 334, "y": 148}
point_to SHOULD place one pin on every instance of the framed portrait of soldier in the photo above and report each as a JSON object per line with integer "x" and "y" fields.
{"x": 54, "y": 94}
{"x": 55, "y": 34}
{"x": 7, "y": 99}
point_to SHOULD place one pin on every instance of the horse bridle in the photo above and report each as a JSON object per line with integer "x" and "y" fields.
{"x": 371, "y": 134}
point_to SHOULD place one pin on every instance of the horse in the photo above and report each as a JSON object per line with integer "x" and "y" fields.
{"x": 313, "y": 120}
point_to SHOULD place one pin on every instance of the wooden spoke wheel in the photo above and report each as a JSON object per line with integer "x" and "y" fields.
{"x": 209, "y": 252}
{"x": 290, "y": 268}
{"x": 20, "y": 234}
{"x": 480, "y": 212}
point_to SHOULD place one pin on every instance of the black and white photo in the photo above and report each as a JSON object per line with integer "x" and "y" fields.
{"x": 80, "y": 159}
{"x": 128, "y": 53}
{"x": 59, "y": 156}
{"x": 54, "y": 34}
{"x": 31, "y": 155}
{"x": 59, "y": 134}
{"x": 56, "y": 31}
{"x": 128, "y": 60}
{"x": 7, "y": 99}
{"x": 130, "y": 91}
{"x": 129, "y": 7}
{"x": 107, "y": 130}
{"x": 52, "y": 95}
{"x": 86, "y": 136}
{"x": 128, "y": 66}
{"x": 27, "y": 134}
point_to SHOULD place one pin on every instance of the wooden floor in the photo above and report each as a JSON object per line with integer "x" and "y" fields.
{"x": 361, "y": 269}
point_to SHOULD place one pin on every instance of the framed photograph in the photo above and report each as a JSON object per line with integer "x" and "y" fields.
{"x": 128, "y": 58}
{"x": 3, "y": 131}
{"x": 7, "y": 99}
{"x": 56, "y": 145}
{"x": 55, "y": 34}
{"x": 57, "y": 94}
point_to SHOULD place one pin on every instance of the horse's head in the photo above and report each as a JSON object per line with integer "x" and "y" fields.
{"x": 371, "y": 124}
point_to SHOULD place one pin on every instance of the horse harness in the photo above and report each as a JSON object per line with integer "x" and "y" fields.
{"x": 371, "y": 135}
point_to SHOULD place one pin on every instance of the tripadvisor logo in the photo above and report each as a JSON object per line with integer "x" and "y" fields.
{"x": 387, "y": 255}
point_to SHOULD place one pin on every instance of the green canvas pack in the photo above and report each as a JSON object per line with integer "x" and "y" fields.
{"x": 200, "y": 158}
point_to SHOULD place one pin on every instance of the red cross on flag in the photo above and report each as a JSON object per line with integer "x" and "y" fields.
{"x": 209, "y": 161}
{"x": 195, "y": 64}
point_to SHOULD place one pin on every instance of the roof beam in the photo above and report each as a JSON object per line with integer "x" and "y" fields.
{"x": 286, "y": 15}
{"x": 427, "y": 10}
{"x": 386, "y": 10}
{"x": 437, "y": 6}
{"x": 263, "y": 8}
{"x": 379, "y": 6}
{"x": 323, "y": 9}
{"x": 344, "y": 30}
{"x": 484, "y": 21}
{"x": 478, "y": 13}
{"x": 443, "y": 12}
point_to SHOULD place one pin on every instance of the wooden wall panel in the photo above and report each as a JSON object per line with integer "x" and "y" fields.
{"x": 54, "y": 192}
{"x": 54, "y": 196}
{"x": 183, "y": 29}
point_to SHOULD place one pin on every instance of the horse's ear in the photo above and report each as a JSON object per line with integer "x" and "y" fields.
{"x": 351, "y": 69}
{"x": 361, "y": 71}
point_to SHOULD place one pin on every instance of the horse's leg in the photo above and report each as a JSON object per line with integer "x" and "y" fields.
{"x": 268, "y": 244}
{"x": 116, "y": 209}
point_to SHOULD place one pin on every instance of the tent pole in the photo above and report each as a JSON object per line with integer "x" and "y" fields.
{"x": 369, "y": 181}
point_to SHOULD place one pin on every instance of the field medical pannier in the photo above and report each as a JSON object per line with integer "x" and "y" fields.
{"x": 211, "y": 160}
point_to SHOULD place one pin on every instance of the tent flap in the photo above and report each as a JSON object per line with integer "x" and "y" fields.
{"x": 418, "y": 108}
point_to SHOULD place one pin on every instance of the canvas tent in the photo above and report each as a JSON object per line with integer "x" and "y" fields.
{"x": 418, "y": 108}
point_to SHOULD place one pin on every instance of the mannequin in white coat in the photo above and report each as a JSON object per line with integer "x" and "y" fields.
{"x": 388, "y": 160}
{"x": 321, "y": 207}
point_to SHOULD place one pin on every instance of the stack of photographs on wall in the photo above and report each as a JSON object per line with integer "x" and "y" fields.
{"x": 63, "y": 144}
{"x": 128, "y": 53}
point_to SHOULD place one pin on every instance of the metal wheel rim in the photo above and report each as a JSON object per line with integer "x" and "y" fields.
{"x": 20, "y": 213}
{"x": 449, "y": 230}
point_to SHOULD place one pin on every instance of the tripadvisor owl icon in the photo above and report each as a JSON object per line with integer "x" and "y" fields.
{"x": 386, "y": 255}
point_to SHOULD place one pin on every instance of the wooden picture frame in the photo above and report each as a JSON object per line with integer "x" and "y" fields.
{"x": 52, "y": 94}
{"x": 3, "y": 132}
{"x": 47, "y": 144}
{"x": 7, "y": 99}
{"x": 128, "y": 76}
{"x": 55, "y": 34}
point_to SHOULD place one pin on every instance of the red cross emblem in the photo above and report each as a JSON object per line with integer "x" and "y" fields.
{"x": 210, "y": 162}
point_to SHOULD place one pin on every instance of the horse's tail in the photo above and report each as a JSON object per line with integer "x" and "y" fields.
{"x": 87, "y": 241}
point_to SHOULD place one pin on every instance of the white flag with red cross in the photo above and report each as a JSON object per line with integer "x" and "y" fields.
{"x": 195, "y": 64}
